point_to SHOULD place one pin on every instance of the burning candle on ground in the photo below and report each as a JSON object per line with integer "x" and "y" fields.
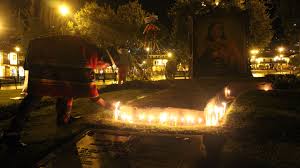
{"x": 171, "y": 116}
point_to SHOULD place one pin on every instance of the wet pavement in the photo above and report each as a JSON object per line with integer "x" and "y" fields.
{"x": 101, "y": 149}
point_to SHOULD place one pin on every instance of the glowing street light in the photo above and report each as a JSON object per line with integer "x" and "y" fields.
{"x": 281, "y": 49}
{"x": 147, "y": 49}
{"x": 217, "y": 2}
{"x": 254, "y": 51}
{"x": 64, "y": 10}
{"x": 169, "y": 54}
{"x": 18, "y": 49}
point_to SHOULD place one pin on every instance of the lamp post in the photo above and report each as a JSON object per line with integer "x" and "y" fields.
{"x": 148, "y": 50}
{"x": 17, "y": 49}
{"x": 253, "y": 53}
{"x": 169, "y": 54}
{"x": 64, "y": 11}
{"x": 147, "y": 63}
{"x": 281, "y": 50}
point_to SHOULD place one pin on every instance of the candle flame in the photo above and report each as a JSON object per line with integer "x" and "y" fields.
{"x": 213, "y": 114}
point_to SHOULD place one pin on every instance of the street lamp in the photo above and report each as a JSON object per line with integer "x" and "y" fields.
{"x": 169, "y": 54}
{"x": 281, "y": 49}
{"x": 217, "y": 2}
{"x": 64, "y": 10}
{"x": 254, "y": 52}
{"x": 148, "y": 49}
{"x": 18, "y": 49}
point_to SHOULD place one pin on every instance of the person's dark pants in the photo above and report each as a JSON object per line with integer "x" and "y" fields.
{"x": 63, "y": 110}
{"x": 123, "y": 70}
{"x": 30, "y": 102}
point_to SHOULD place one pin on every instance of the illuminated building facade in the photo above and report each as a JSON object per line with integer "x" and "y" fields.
{"x": 11, "y": 64}
{"x": 158, "y": 63}
{"x": 270, "y": 63}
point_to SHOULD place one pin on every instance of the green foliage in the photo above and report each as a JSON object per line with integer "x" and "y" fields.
{"x": 131, "y": 13}
{"x": 182, "y": 13}
{"x": 261, "y": 32}
{"x": 260, "y": 22}
{"x": 22, "y": 8}
{"x": 291, "y": 34}
{"x": 295, "y": 61}
{"x": 105, "y": 26}
{"x": 284, "y": 81}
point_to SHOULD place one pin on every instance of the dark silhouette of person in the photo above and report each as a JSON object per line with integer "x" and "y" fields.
{"x": 60, "y": 67}
{"x": 171, "y": 69}
{"x": 123, "y": 64}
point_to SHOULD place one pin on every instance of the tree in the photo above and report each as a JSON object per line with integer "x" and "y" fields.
{"x": 260, "y": 22}
{"x": 261, "y": 32}
{"x": 295, "y": 61}
{"x": 291, "y": 35}
{"x": 15, "y": 15}
{"x": 106, "y": 26}
{"x": 21, "y": 10}
{"x": 181, "y": 12}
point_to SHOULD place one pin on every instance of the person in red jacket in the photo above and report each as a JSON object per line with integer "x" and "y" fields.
{"x": 60, "y": 67}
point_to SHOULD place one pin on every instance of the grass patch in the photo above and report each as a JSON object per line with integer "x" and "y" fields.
{"x": 264, "y": 127}
{"x": 6, "y": 95}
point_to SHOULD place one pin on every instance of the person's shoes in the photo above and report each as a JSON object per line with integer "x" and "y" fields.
{"x": 61, "y": 122}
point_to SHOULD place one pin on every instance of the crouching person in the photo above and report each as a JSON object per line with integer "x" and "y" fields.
{"x": 60, "y": 67}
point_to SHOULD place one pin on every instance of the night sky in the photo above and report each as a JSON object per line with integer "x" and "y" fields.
{"x": 158, "y": 7}
{"x": 161, "y": 8}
